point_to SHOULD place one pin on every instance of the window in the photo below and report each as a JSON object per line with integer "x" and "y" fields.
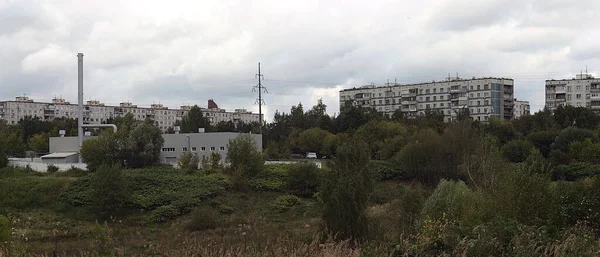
{"x": 434, "y": 105}
{"x": 184, "y": 149}
{"x": 427, "y": 106}
{"x": 578, "y": 87}
{"x": 578, "y": 104}
{"x": 569, "y": 89}
{"x": 434, "y": 90}
{"x": 478, "y": 103}
{"x": 486, "y": 87}
{"x": 471, "y": 95}
{"x": 486, "y": 94}
{"x": 471, "y": 87}
{"x": 578, "y": 96}
{"x": 212, "y": 148}
{"x": 568, "y": 97}
{"x": 486, "y": 102}
{"x": 426, "y": 91}
{"x": 442, "y": 105}
{"x": 380, "y": 102}
{"x": 434, "y": 98}
{"x": 441, "y": 89}
{"x": 587, "y": 88}
{"x": 222, "y": 148}
{"x": 441, "y": 97}
{"x": 478, "y": 87}
{"x": 203, "y": 149}
{"x": 478, "y": 94}
{"x": 427, "y": 99}
{"x": 168, "y": 149}
{"x": 485, "y": 110}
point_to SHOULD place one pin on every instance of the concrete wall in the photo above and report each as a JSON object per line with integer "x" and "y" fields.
{"x": 68, "y": 159}
{"x": 218, "y": 140}
{"x": 43, "y": 167}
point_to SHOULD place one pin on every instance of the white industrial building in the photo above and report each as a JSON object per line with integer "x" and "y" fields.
{"x": 521, "y": 108}
{"x": 96, "y": 112}
{"x": 484, "y": 97}
{"x": 581, "y": 91}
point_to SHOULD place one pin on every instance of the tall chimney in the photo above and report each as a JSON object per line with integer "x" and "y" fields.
{"x": 80, "y": 102}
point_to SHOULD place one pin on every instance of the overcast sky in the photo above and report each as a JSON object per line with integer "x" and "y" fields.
{"x": 185, "y": 52}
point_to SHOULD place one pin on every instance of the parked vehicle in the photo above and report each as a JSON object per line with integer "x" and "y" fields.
{"x": 311, "y": 155}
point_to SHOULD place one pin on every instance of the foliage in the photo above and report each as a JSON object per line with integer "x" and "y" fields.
{"x": 575, "y": 172}
{"x": 5, "y": 229}
{"x": 272, "y": 178}
{"x": 108, "y": 191}
{"x": 422, "y": 158}
{"x": 303, "y": 179}
{"x": 482, "y": 167}
{"x": 188, "y": 161}
{"x": 543, "y": 140}
{"x": 581, "y": 117}
{"x": 585, "y": 151}
{"x": 212, "y": 164}
{"x": 51, "y": 168}
{"x": 451, "y": 200}
{"x": 384, "y": 170}
{"x": 572, "y": 134}
{"x": 346, "y": 190}
{"x": 243, "y": 155}
{"x": 517, "y": 150}
{"x": 39, "y": 143}
{"x": 203, "y": 219}
{"x": 28, "y": 192}
{"x": 3, "y": 159}
{"x": 381, "y": 135}
{"x": 194, "y": 120}
{"x": 502, "y": 130}
{"x": 135, "y": 145}
{"x": 284, "y": 203}
{"x": 311, "y": 140}
{"x": 11, "y": 144}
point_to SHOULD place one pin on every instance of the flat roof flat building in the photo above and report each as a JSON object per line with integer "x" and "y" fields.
{"x": 581, "y": 91}
{"x": 483, "y": 97}
{"x": 96, "y": 112}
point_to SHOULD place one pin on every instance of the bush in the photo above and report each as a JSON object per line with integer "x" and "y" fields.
{"x": 384, "y": 170}
{"x": 188, "y": 161}
{"x": 272, "y": 178}
{"x": 284, "y": 203}
{"x": 451, "y": 199}
{"x": 5, "y": 229}
{"x": 51, "y": 168}
{"x": 203, "y": 219}
{"x": 31, "y": 192}
{"x": 108, "y": 191}
{"x": 164, "y": 213}
{"x": 516, "y": 150}
{"x": 572, "y": 134}
{"x": 243, "y": 155}
{"x": 303, "y": 179}
{"x": 3, "y": 159}
{"x": 543, "y": 141}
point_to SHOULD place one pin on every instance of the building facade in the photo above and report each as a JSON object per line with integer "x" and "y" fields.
{"x": 483, "y": 97}
{"x": 581, "y": 91}
{"x": 96, "y": 112}
{"x": 521, "y": 108}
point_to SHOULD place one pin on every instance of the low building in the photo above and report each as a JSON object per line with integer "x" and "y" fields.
{"x": 202, "y": 144}
{"x": 59, "y": 158}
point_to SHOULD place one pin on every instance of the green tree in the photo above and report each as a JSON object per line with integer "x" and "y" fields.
{"x": 5, "y": 229}
{"x": 303, "y": 179}
{"x": 581, "y": 117}
{"x": 423, "y": 158}
{"x": 517, "y": 150}
{"x": 29, "y": 126}
{"x": 195, "y": 119}
{"x": 3, "y": 159}
{"x": 543, "y": 140}
{"x": 103, "y": 150}
{"x": 502, "y": 130}
{"x": 311, "y": 140}
{"x": 332, "y": 142}
{"x": 346, "y": 190}
{"x": 380, "y": 133}
{"x": 244, "y": 156}
{"x": 12, "y": 144}
{"x": 142, "y": 145}
{"x": 452, "y": 199}
{"x": 39, "y": 143}
{"x": 317, "y": 117}
{"x": 108, "y": 191}
{"x": 188, "y": 161}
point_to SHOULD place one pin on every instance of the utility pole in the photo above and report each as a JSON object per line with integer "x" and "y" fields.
{"x": 80, "y": 103}
{"x": 260, "y": 101}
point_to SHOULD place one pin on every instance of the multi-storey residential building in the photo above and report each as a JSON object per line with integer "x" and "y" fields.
{"x": 581, "y": 91}
{"x": 483, "y": 97}
{"x": 521, "y": 108}
{"x": 96, "y": 112}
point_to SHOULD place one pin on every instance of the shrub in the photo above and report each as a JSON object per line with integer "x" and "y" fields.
{"x": 346, "y": 190}
{"x": 188, "y": 161}
{"x": 284, "y": 203}
{"x": 164, "y": 213}
{"x": 108, "y": 191}
{"x": 516, "y": 150}
{"x": 3, "y": 159}
{"x": 31, "y": 192}
{"x": 51, "y": 168}
{"x": 575, "y": 172}
{"x": 572, "y": 134}
{"x": 5, "y": 229}
{"x": 543, "y": 141}
{"x": 384, "y": 170}
{"x": 423, "y": 159}
{"x": 243, "y": 155}
{"x": 272, "y": 178}
{"x": 303, "y": 179}
{"x": 451, "y": 199}
{"x": 203, "y": 219}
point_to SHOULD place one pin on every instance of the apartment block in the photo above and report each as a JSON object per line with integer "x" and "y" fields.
{"x": 483, "y": 97}
{"x": 521, "y": 108}
{"x": 581, "y": 91}
{"x": 96, "y": 112}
